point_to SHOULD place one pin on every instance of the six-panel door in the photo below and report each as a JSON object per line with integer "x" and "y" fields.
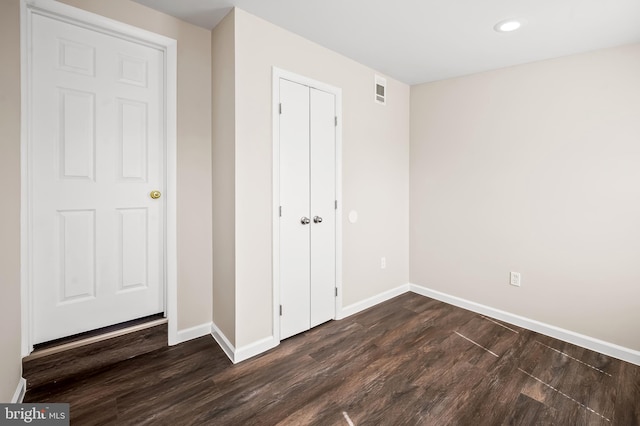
{"x": 97, "y": 149}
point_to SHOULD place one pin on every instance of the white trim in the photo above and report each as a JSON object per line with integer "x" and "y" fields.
{"x": 587, "y": 342}
{"x": 275, "y": 236}
{"x": 168, "y": 46}
{"x": 247, "y": 351}
{"x": 21, "y": 390}
{"x": 339, "y": 287}
{"x": 224, "y": 343}
{"x": 611, "y": 349}
{"x": 26, "y": 300}
{"x": 193, "y": 333}
{"x": 372, "y": 301}
{"x": 171, "y": 190}
{"x": 275, "y": 212}
{"x": 85, "y": 19}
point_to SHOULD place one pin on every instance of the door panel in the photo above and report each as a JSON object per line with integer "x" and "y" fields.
{"x": 132, "y": 249}
{"x": 323, "y": 195}
{"x": 97, "y": 143}
{"x": 294, "y": 199}
{"x": 77, "y": 130}
{"x": 77, "y": 255}
{"x": 307, "y": 190}
{"x": 132, "y": 140}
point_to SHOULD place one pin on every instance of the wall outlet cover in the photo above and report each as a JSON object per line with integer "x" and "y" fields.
{"x": 515, "y": 279}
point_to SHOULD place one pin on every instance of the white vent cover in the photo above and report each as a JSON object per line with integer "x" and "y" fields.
{"x": 380, "y": 90}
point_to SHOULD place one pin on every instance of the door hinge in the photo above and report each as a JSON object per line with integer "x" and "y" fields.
{"x": 280, "y": 211}
{"x": 336, "y": 205}
{"x": 336, "y": 121}
{"x": 336, "y": 291}
{"x": 280, "y": 108}
{"x": 280, "y": 310}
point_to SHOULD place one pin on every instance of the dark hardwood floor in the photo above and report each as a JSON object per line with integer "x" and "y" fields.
{"x": 409, "y": 361}
{"x": 86, "y": 360}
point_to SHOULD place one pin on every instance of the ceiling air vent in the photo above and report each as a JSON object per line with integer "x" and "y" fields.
{"x": 380, "y": 90}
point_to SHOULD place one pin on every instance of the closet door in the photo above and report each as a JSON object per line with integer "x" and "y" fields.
{"x": 307, "y": 207}
{"x": 295, "y": 258}
{"x": 323, "y": 212}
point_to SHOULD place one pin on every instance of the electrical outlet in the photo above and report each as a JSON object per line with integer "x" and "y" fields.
{"x": 383, "y": 262}
{"x": 515, "y": 279}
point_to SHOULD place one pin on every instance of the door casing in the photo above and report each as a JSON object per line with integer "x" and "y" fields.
{"x": 277, "y": 74}
{"x": 69, "y": 14}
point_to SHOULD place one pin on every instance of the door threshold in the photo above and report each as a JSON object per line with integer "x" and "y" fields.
{"x": 90, "y": 337}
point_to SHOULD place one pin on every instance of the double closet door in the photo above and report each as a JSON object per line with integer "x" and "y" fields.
{"x": 307, "y": 207}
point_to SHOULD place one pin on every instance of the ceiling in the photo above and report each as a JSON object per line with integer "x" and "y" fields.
{"x": 417, "y": 41}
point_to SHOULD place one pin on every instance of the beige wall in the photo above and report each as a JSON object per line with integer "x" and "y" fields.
{"x": 10, "y": 358}
{"x": 534, "y": 169}
{"x": 375, "y": 170}
{"x": 223, "y": 157}
{"x": 194, "y": 150}
{"x": 194, "y": 169}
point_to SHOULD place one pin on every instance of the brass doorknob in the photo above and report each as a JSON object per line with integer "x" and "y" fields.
{"x": 155, "y": 194}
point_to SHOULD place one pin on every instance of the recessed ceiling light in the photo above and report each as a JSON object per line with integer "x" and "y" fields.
{"x": 508, "y": 25}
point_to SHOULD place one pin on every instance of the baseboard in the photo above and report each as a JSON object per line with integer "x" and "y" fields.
{"x": 578, "y": 339}
{"x": 244, "y": 352}
{"x": 372, "y": 301}
{"x": 193, "y": 332}
{"x": 607, "y": 348}
{"x": 21, "y": 389}
{"x": 223, "y": 342}
{"x": 248, "y": 351}
{"x": 255, "y": 348}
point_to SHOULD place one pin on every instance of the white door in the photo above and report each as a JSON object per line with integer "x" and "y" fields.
{"x": 323, "y": 205}
{"x": 307, "y": 199}
{"x": 97, "y": 143}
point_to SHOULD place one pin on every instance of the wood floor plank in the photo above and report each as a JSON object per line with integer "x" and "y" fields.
{"x": 627, "y": 406}
{"x": 528, "y": 411}
{"x": 83, "y": 360}
{"x": 128, "y": 375}
{"x": 409, "y": 361}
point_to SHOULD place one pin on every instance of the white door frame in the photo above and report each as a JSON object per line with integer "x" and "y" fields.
{"x": 65, "y": 13}
{"x": 287, "y": 75}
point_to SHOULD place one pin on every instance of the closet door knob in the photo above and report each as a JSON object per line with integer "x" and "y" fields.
{"x": 304, "y": 220}
{"x": 317, "y": 219}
